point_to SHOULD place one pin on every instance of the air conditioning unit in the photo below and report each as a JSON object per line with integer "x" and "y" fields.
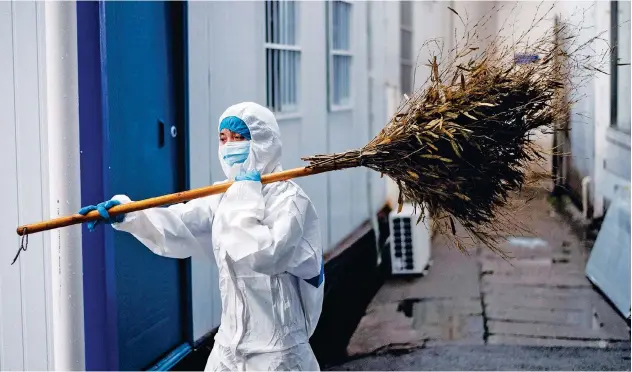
{"x": 410, "y": 242}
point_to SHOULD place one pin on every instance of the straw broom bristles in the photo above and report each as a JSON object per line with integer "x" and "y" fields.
{"x": 460, "y": 145}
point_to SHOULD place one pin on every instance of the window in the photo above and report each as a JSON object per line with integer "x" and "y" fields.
{"x": 283, "y": 56}
{"x": 620, "y": 65}
{"x": 406, "y": 46}
{"x": 340, "y": 57}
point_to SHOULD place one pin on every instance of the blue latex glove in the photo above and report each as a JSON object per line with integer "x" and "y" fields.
{"x": 249, "y": 176}
{"x": 102, "y": 208}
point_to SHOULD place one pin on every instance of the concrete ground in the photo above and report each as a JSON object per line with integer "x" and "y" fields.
{"x": 497, "y": 358}
{"x": 536, "y": 311}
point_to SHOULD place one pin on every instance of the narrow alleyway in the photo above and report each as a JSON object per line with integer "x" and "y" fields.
{"x": 477, "y": 311}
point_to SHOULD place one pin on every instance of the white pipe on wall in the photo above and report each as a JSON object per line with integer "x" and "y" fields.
{"x": 585, "y": 184}
{"x": 65, "y": 184}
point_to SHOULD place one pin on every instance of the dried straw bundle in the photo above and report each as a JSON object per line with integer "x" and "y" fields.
{"x": 461, "y": 145}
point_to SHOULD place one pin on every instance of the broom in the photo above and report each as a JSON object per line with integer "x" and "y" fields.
{"x": 459, "y": 146}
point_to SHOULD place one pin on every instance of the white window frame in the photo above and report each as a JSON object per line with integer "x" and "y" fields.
{"x": 617, "y": 63}
{"x": 333, "y": 106}
{"x": 403, "y": 62}
{"x": 281, "y": 41}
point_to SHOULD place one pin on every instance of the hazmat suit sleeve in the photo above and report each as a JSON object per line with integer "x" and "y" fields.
{"x": 178, "y": 231}
{"x": 268, "y": 248}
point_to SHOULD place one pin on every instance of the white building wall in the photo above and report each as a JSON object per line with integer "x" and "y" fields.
{"x": 432, "y": 20}
{"x": 378, "y": 54}
{"x": 582, "y": 118}
{"x": 519, "y": 24}
{"x": 611, "y": 145}
{"x": 347, "y": 129}
{"x": 598, "y": 150}
{"x": 390, "y": 17}
{"x": 227, "y": 66}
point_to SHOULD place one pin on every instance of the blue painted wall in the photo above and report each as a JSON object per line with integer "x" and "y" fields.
{"x": 137, "y": 304}
{"x": 91, "y": 144}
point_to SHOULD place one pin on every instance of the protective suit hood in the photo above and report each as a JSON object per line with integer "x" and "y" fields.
{"x": 265, "y": 143}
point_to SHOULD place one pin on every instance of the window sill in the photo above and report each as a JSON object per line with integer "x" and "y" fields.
{"x": 282, "y": 116}
{"x": 341, "y": 108}
{"x": 618, "y": 137}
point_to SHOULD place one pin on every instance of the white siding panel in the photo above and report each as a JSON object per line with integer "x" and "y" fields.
{"x": 376, "y": 97}
{"x": 11, "y": 338}
{"x": 24, "y": 337}
{"x": 30, "y": 181}
{"x": 360, "y": 176}
{"x": 226, "y": 66}
{"x": 206, "y": 302}
{"x": 313, "y": 133}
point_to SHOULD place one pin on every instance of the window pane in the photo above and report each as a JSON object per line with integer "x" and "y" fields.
{"x": 406, "y": 81}
{"x": 283, "y": 68}
{"x": 369, "y": 35}
{"x": 406, "y": 13}
{"x": 406, "y": 45}
{"x": 291, "y": 22}
{"x": 276, "y": 65}
{"x": 341, "y": 25}
{"x": 270, "y": 85}
{"x": 341, "y": 79}
{"x": 268, "y": 24}
{"x": 623, "y": 98}
{"x": 282, "y": 65}
{"x": 289, "y": 83}
{"x": 623, "y": 70}
{"x": 275, "y": 21}
{"x": 624, "y": 31}
{"x": 620, "y": 78}
{"x": 281, "y": 22}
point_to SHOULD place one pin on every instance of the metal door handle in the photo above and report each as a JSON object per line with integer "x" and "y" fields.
{"x": 161, "y": 134}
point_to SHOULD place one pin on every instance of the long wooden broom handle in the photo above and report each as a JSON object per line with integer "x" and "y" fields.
{"x": 178, "y": 197}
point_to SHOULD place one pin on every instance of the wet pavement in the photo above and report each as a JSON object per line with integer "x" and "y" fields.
{"x": 497, "y": 358}
{"x": 535, "y": 311}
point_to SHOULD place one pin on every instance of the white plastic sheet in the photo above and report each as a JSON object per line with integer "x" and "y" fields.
{"x": 609, "y": 263}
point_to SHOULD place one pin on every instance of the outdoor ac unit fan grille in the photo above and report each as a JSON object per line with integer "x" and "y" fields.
{"x": 403, "y": 243}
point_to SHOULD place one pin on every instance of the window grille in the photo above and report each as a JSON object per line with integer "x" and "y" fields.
{"x": 283, "y": 56}
{"x": 340, "y": 56}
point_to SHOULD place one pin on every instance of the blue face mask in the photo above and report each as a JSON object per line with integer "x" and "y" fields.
{"x": 235, "y": 152}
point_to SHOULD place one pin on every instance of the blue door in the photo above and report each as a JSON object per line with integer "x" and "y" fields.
{"x": 144, "y": 116}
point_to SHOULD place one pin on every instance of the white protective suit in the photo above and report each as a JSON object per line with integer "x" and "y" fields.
{"x": 267, "y": 245}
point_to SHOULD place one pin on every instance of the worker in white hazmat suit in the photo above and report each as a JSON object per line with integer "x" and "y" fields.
{"x": 265, "y": 240}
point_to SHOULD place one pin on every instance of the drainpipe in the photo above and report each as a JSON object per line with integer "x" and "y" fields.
{"x": 64, "y": 183}
{"x": 585, "y": 183}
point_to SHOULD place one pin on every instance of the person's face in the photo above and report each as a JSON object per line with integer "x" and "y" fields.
{"x": 227, "y": 136}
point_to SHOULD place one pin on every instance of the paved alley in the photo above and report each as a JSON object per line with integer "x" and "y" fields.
{"x": 478, "y": 311}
